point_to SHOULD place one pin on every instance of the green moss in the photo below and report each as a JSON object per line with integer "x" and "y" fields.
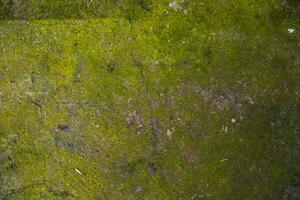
{"x": 133, "y": 100}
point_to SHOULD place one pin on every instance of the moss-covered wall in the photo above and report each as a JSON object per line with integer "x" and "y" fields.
{"x": 149, "y": 99}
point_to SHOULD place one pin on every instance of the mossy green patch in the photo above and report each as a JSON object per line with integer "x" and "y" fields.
{"x": 138, "y": 100}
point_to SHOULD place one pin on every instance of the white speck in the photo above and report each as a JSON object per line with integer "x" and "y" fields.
{"x": 175, "y": 6}
{"x": 291, "y": 30}
{"x": 233, "y": 120}
{"x": 78, "y": 171}
{"x": 226, "y": 129}
{"x": 224, "y": 159}
{"x": 251, "y": 101}
{"x": 169, "y": 133}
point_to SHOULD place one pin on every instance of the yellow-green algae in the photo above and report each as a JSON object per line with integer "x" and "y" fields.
{"x": 199, "y": 103}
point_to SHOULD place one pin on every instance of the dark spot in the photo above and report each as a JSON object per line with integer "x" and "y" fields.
{"x": 63, "y": 127}
{"x": 11, "y": 163}
{"x": 37, "y": 102}
{"x": 145, "y": 4}
{"x": 33, "y": 78}
{"x": 111, "y": 67}
{"x": 152, "y": 168}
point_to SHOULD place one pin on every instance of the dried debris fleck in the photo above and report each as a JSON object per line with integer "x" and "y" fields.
{"x": 135, "y": 120}
{"x": 175, "y": 6}
{"x": 291, "y": 30}
{"x": 170, "y": 132}
{"x": 78, "y": 171}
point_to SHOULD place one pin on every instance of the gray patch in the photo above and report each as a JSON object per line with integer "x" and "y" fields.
{"x": 291, "y": 193}
{"x": 138, "y": 189}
